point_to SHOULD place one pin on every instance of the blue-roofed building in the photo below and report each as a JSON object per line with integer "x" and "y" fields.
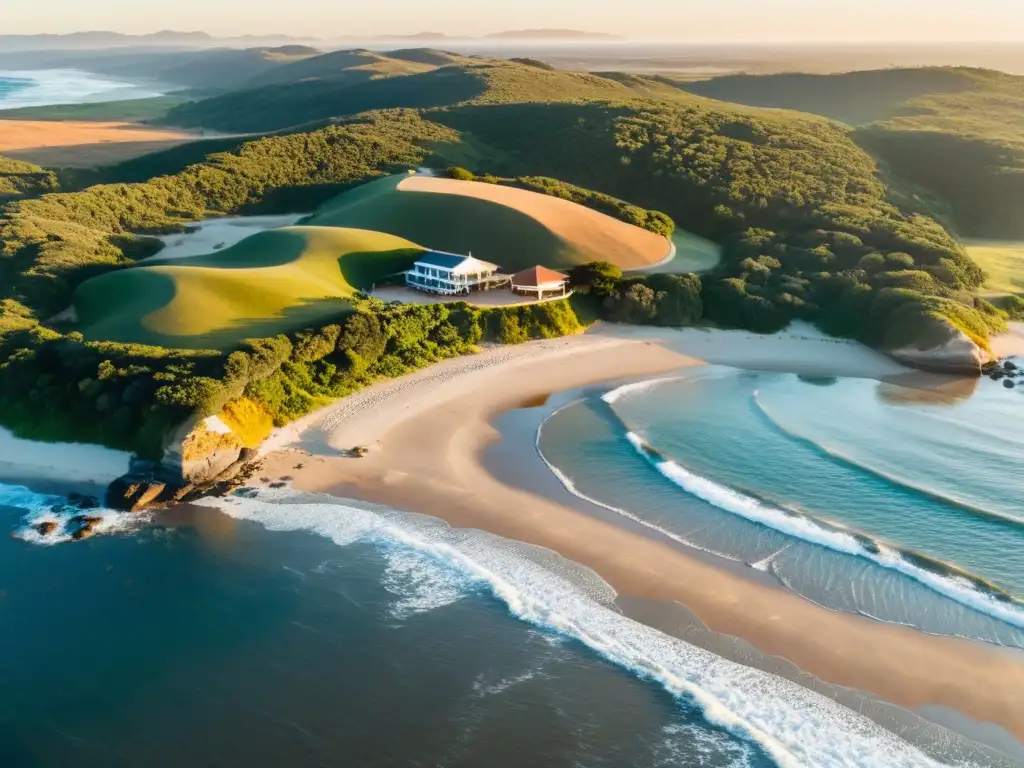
{"x": 451, "y": 274}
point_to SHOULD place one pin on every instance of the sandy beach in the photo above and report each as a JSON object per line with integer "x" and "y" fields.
{"x": 427, "y": 434}
{"x": 84, "y": 144}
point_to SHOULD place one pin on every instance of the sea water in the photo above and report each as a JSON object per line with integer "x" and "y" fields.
{"x": 281, "y": 628}
{"x": 36, "y": 88}
{"x": 277, "y": 628}
{"x": 899, "y": 503}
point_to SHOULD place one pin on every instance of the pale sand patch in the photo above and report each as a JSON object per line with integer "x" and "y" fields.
{"x": 83, "y": 144}
{"x": 1010, "y": 344}
{"x": 428, "y": 432}
{"x": 628, "y": 246}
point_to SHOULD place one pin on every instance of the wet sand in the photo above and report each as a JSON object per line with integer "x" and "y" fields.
{"x": 428, "y": 434}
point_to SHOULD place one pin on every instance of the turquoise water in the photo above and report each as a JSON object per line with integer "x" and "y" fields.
{"x": 861, "y": 496}
{"x": 37, "y": 88}
{"x": 9, "y": 86}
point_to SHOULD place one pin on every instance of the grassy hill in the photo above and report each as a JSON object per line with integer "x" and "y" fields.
{"x": 349, "y": 82}
{"x": 957, "y": 133}
{"x": 273, "y": 282}
{"x": 1003, "y": 262}
{"x": 337, "y": 64}
{"x": 514, "y": 228}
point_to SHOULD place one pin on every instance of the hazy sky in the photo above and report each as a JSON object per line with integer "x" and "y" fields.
{"x": 709, "y": 20}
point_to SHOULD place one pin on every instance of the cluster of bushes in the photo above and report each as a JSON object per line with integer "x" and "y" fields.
{"x": 52, "y": 244}
{"x": 659, "y": 299}
{"x": 653, "y": 221}
{"x": 58, "y": 387}
{"x": 807, "y": 228}
{"x": 20, "y": 180}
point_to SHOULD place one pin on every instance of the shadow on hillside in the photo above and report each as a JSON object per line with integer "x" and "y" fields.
{"x": 855, "y": 97}
{"x": 283, "y": 106}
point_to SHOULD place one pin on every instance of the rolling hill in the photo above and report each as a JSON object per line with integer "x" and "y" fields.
{"x": 513, "y": 228}
{"x": 272, "y": 282}
{"x": 957, "y": 133}
{"x": 348, "y": 82}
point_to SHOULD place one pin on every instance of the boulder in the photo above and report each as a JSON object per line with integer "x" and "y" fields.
{"x": 81, "y": 501}
{"x": 131, "y": 493}
{"x": 1009, "y": 383}
{"x": 954, "y": 353}
{"x": 47, "y": 528}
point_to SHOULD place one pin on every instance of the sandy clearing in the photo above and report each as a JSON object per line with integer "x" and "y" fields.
{"x": 83, "y": 144}
{"x": 628, "y": 246}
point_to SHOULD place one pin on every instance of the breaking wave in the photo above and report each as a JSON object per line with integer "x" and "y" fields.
{"x": 44, "y": 508}
{"x": 835, "y": 455}
{"x": 947, "y": 580}
{"x": 792, "y": 725}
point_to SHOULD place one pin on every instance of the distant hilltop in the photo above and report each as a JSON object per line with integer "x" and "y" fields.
{"x": 518, "y": 35}
{"x": 100, "y": 39}
{"x": 551, "y": 34}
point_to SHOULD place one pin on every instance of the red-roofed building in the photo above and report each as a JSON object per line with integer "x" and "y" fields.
{"x": 540, "y": 281}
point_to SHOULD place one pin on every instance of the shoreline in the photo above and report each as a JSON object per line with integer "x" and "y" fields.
{"x": 429, "y": 455}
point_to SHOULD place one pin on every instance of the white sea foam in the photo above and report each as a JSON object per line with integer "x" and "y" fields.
{"x": 635, "y": 388}
{"x": 949, "y": 585}
{"x": 793, "y": 725}
{"x": 570, "y": 486}
{"x": 42, "y": 508}
{"x": 70, "y": 86}
{"x": 419, "y": 583}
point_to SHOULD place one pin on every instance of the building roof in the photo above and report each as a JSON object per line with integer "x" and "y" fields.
{"x": 536, "y": 276}
{"x": 455, "y": 262}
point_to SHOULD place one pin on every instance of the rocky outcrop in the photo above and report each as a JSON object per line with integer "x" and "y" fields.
{"x": 956, "y": 354}
{"x": 201, "y": 450}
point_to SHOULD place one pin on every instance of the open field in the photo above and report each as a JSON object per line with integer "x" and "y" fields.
{"x": 129, "y": 110}
{"x": 513, "y": 228}
{"x": 272, "y": 282}
{"x": 1003, "y": 262}
{"x": 82, "y": 144}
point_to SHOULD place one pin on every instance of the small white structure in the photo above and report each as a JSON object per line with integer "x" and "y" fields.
{"x": 541, "y": 281}
{"x": 450, "y": 274}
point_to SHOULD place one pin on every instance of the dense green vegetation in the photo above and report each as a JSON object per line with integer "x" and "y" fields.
{"x": 52, "y": 244}
{"x": 956, "y": 132}
{"x": 354, "y": 86}
{"x": 19, "y": 179}
{"x": 800, "y": 209}
{"x": 806, "y": 223}
{"x": 130, "y": 397}
{"x": 659, "y": 299}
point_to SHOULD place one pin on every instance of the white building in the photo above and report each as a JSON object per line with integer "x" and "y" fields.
{"x": 450, "y": 274}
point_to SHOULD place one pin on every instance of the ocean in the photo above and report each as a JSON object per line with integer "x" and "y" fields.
{"x": 284, "y": 628}
{"x": 38, "y": 88}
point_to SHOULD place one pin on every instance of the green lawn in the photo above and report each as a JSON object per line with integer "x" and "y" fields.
{"x": 1003, "y": 262}
{"x": 132, "y": 110}
{"x": 272, "y": 282}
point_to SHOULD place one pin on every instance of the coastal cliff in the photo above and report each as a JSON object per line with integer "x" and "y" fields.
{"x": 202, "y": 455}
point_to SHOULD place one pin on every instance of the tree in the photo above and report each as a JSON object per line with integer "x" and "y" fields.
{"x": 677, "y": 299}
{"x": 599, "y": 278}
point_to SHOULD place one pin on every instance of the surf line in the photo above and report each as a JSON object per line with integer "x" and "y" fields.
{"x": 956, "y": 585}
